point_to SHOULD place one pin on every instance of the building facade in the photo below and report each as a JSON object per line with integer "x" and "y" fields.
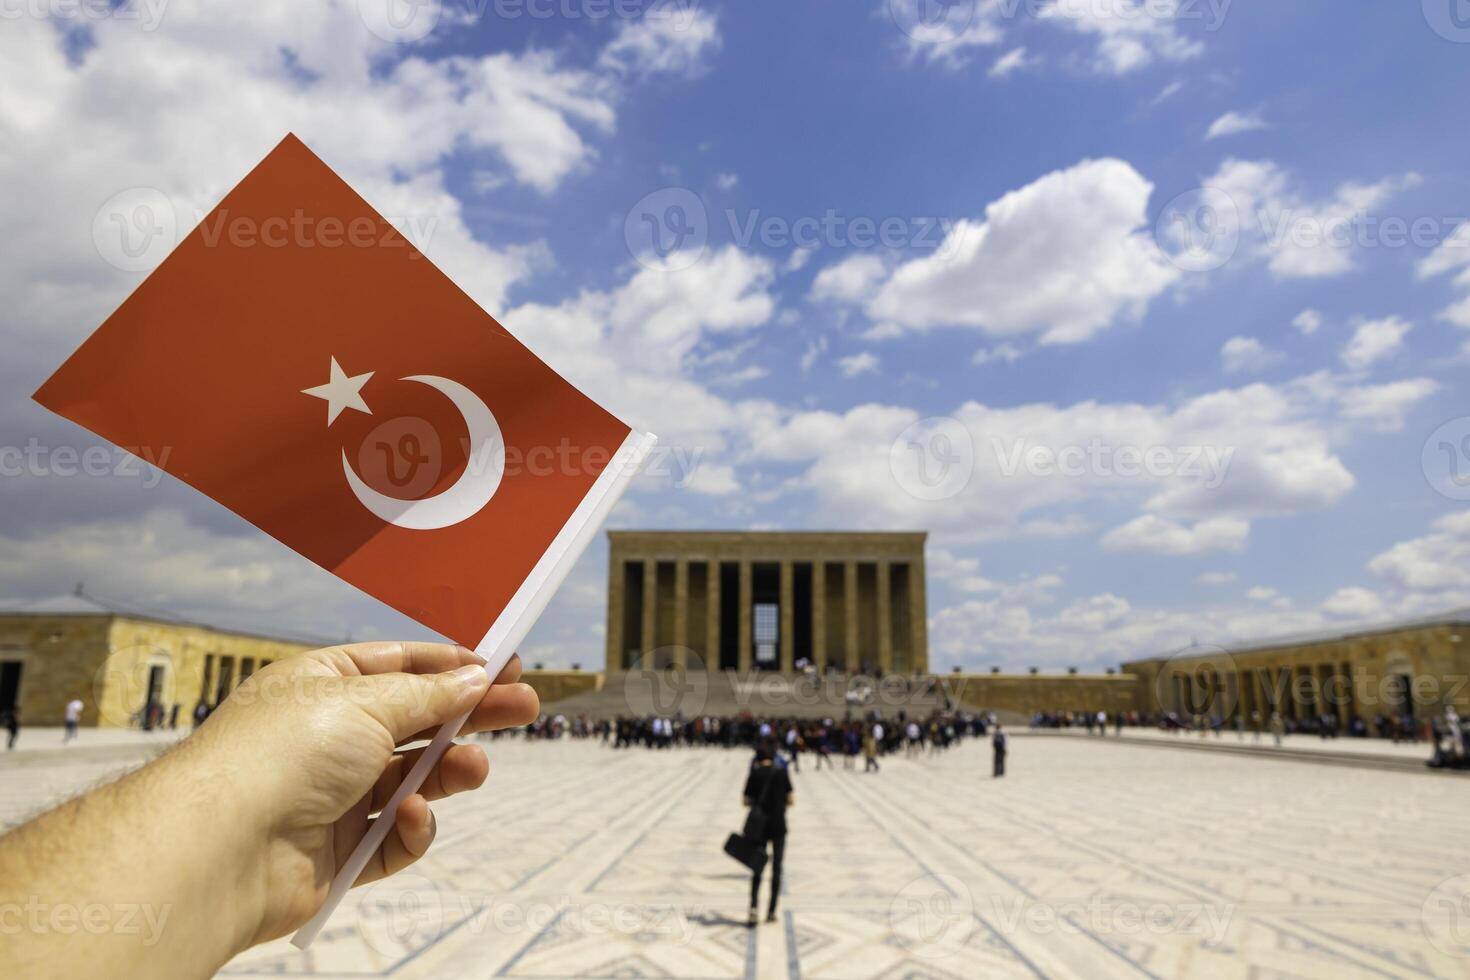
{"x": 1410, "y": 669}
{"x": 127, "y": 669}
{"x": 767, "y": 600}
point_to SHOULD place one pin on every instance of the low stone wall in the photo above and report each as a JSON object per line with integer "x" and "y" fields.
{"x": 558, "y": 685}
{"x": 1029, "y": 693}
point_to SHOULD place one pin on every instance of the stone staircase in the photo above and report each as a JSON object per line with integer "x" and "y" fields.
{"x": 760, "y": 693}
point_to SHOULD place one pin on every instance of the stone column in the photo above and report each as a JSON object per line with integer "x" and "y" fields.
{"x": 918, "y": 619}
{"x": 885, "y": 619}
{"x": 819, "y": 615}
{"x": 850, "y": 616}
{"x": 712, "y": 617}
{"x": 681, "y": 612}
{"x": 744, "y": 614}
{"x": 650, "y": 593}
{"x": 788, "y": 617}
{"x": 616, "y": 648}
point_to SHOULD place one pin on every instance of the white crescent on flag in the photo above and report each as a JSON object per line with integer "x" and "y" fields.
{"x": 484, "y": 468}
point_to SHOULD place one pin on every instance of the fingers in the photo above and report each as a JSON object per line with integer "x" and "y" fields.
{"x": 502, "y": 706}
{"x": 400, "y": 657}
{"x": 413, "y": 831}
{"x": 463, "y": 768}
{"x": 511, "y": 672}
{"x": 408, "y": 703}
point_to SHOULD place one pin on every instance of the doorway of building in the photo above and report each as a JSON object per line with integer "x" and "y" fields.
{"x": 767, "y": 636}
{"x": 153, "y": 703}
{"x": 9, "y": 685}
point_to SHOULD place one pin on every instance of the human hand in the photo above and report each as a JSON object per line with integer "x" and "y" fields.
{"x": 312, "y": 742}
{"x": 234, "y": 836}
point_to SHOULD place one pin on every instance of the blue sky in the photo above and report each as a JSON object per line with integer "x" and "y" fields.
{"x": 1029, "y": 158}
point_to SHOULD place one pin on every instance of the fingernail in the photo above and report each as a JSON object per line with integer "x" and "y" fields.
{"x": 473, "y": 675}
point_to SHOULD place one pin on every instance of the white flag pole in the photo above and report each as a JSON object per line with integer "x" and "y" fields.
{"x": 496, "y": 649}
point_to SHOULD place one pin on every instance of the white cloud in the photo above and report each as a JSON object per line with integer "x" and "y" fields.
{"x": 851, "y": 280}
{"x": 958, "y": 573}
{"x": 1248, "y": 354}
{"x": 631, "y": 347}
{"x": 1308, "y": 321}
{"x": 1008, "y": 353}
{"x": 1100, "y": 264}
{"x": 1300, "y": 238}
{"x": 1374, "y": 340}
{"x": 1235, "y": 122}
{"x": 1262, "y": 593}
{"x": 163, "y": 560}
{"x": 1153, "y": 533}
{"x": 947, "y": 40}
{"x": 863, "y": 362}
{"x": 1432, "y": 563}
{"x": 1354, "y": 603}
{"x": 674, "y": 42}
{"x": 798, "y": 259}
{"x": 1131, "y": 34}
{"x": 726, "y": 182}
{"x": 1216, "y": 578}
{"x": 1011, "y": 62}
{"x": 1386, "y": 405}
{"x": 1167, "y": 93}
{"x": 1242, "y": 453}
{"x": 1452, "y": 255}
{"x": 717, "y": 480}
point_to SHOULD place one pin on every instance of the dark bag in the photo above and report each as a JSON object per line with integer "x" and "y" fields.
{"x": 751, "y": 853}
{"x": 749, "y": 846}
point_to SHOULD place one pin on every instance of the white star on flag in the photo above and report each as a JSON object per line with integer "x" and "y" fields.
{"x": 341, "y": 392}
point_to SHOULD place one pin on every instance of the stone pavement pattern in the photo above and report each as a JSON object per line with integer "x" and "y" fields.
{"x": 1090, "y": 859}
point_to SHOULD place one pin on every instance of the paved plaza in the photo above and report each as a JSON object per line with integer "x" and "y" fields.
{"x": 1090, "y": 859}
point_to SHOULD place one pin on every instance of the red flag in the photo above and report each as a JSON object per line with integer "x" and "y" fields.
{"x": 304, "y": 365}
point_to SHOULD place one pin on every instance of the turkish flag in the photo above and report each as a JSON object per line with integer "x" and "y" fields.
{"x": 299, "y": 361}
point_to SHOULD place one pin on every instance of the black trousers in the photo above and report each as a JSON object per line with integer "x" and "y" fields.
{"x": 778, "y": 848}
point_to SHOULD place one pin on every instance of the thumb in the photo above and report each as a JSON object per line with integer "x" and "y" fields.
{"x": 408, "y": 703}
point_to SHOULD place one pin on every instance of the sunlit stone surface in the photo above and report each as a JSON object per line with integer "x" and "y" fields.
{"x": 1089, "y": 859}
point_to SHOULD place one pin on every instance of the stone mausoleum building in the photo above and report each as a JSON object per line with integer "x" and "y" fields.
{"x": 767, "y": 600}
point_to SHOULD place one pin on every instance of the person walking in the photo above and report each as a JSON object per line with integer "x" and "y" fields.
{"x": 73, "y": 718}
{"x": 998, "y": 745}
{"x": 870, "y": 748}
{"x": 767, "y": 793}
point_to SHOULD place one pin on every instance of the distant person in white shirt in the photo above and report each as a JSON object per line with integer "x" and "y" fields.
{"x": 73, "y": 719}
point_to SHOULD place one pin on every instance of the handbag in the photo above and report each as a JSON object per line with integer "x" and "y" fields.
{"x": 750, "y": 853}
{"x": 749, "y": 846}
